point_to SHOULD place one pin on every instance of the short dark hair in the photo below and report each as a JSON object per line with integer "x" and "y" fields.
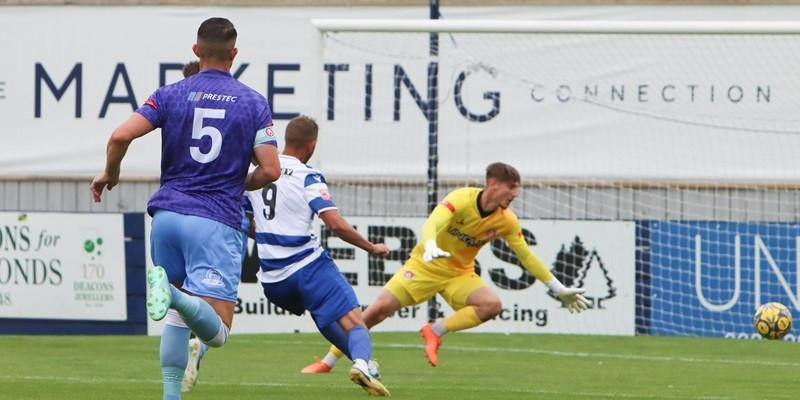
{"x": 191, "y": 68}
{"x": 216, "y": 37}
{"x": 301, "y": 130}
{"x": 502, "y": 172}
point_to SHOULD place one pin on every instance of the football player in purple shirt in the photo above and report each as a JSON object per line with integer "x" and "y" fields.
{"x": 211, "y": 126}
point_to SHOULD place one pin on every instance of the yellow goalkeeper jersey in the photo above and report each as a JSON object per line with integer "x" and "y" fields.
{"x": 458, "y": 228}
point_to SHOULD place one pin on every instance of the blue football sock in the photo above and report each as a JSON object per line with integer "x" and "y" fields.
{"x": 198, "y": 315}
{"x": 334, "y": 333}
{"x": 174, "y": 355}
{"x": 359, "y": 343}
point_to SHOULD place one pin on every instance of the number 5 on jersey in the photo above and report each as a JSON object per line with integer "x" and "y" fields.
{"x": 198, "y": 131}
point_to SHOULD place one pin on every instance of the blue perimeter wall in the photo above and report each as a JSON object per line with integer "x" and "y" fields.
{"x": 667, "y": 302}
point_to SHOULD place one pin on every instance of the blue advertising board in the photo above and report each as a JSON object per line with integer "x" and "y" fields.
{"x": 706, "y": 278}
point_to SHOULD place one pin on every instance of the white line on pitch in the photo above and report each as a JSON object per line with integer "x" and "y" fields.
{"x": 578, "y": 354}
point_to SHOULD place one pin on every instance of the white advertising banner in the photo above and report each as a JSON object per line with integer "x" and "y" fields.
{"x": 597, "y": 255}
{"x": 74, "y": 261}
{"x": 580, "y": 106}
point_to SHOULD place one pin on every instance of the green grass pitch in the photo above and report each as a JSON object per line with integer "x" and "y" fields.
{"x": 472, "y": 366}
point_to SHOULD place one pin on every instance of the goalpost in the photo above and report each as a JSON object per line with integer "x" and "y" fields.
{"x": 658, "y": 157}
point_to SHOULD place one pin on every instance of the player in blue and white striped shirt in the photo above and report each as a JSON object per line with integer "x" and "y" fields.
{"x": 296, "y": 272}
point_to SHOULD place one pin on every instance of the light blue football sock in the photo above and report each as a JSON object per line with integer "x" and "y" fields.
{"x": 174, "y": 355}
{"x": 359, "y": 343}
{"x": 203, "y": 349}
{"x": 198, "y": 315}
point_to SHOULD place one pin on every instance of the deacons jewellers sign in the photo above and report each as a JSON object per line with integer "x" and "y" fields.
{"x": 62, "y": 266}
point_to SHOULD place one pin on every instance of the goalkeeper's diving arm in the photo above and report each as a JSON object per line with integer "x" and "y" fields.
{"x": 571, "y": 297}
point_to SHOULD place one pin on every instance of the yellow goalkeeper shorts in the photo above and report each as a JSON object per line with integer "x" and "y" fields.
{"x": 416, "y": 282}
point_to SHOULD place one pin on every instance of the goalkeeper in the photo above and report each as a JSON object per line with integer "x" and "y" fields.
{"x": 444, "y": 262}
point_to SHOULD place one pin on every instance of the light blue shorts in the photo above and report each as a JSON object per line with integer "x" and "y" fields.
{"x": 200, "y": 254}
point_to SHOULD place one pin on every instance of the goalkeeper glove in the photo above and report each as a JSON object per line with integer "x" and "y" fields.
{"x": 571, "y": 297}
{"x": 432, "y": 251}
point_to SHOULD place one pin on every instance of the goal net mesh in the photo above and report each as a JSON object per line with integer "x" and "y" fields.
{"x": 659, "y": 170}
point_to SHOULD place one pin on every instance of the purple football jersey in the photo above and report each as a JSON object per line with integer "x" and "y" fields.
{"x": 208, "y": 126}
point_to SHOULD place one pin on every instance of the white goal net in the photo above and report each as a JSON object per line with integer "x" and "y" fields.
{"x": 659, "y": 163}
